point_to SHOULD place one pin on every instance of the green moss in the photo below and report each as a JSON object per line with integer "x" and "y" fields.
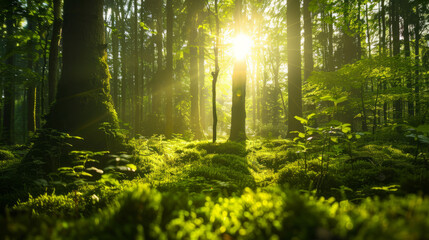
{"x": 6, "y": 155}
{"x": 223, "y": 148}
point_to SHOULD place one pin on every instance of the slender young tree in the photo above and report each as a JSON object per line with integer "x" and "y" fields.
{"x": 294, "y": 66}
{"x": 238, "y": 110}
{"x": 31, "y": 90}
{"x": 201, "y": 73}
{"x": 215, "y": 74}
{"x": 169, "y": 68}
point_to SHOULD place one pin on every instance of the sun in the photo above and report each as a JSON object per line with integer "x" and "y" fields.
{"x": 242, "y": 44}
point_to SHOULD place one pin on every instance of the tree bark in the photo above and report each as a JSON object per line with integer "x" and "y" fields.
{"x": 193, "y": 70}
{"x": 308, "y": 41}
{"x": 294, "y": 66}
{"x": 238, "y": 110}
{"x": 394, "y": 13}
{"x": 83, "y": 102}
{"x": 201, "y": 77}
{"x": 53, "y": 51}
{"x": 169, "y": 67}
{"x": 9, "y": 84}
{"x": 417, "y": 60}
{"x": 215, "y": 74}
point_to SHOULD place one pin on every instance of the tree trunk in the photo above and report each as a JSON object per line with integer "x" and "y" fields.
{"x": 83, "y": 102}
{"x": 294, "y": 66}
{"x": 406, "y": 16}
{"x": 417, "y": 59}
{"x": 9, "y": 84}
{"x": 136, "y": 86}
{"x": 193, "y": 71}
{"x": 201, "y": 76}
{"x": 308, "y": 41}
{"x": 158, "y": 80}
{"x": 238, "y": 110}
{"x": 394, "y": 11}
{"x": 114, "y": 82}
{"x": 215, "y": 74}
{"x": 53, "y": 51}
{"x": 169, "y": 66}
{"x": 31, "y": 90}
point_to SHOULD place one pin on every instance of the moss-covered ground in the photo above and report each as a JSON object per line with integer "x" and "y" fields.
{"x": 260, "y": 189}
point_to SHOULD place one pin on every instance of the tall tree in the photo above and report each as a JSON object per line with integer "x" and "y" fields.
{"x": 394, "y": 15}
{"x": 193, "y": 7}
{"x": 83, "y": 101}
{"x": 31, "y": 90}
{"x": 53, "y": 50}
{"x": 169, "y": 68}
{"x": 308, "y": 40}
{"x": 238, "y": 110}
{"x": 201, "y": 73}
{"x": 215, "y": 74}
{"x": 294, "y": 65}
{"x": 9, "y": 83}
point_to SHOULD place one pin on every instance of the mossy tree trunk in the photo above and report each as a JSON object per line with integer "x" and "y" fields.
{"x": 238, "y": 110}
{"x": 83, "y": 100}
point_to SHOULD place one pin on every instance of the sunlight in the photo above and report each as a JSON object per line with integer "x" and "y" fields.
{"x": 242, "y": 45}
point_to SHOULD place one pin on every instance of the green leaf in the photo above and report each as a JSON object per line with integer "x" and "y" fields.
{"x": 144, "y": 26}
{"x": 310, "y": 116}
{"x": 79, "y": 168}
{"x": 301, "y": 120}
{"x": 301, "y": 135}
{"x": 85, "y": 174}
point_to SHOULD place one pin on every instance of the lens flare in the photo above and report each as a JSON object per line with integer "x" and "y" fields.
{"x": 242, "y": 45}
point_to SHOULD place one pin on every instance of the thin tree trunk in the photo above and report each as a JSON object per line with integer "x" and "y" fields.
{"x": 114, "y": 82}
{"x": 169, "y": 66}
{"x": 136, "y": 87}
{"x": 201, "y": 77}
{"x": 417, "y": 60}
{"x": 407, "y": 51}
{"x": 215, "y": 74}
{"x": 53, "y": 51}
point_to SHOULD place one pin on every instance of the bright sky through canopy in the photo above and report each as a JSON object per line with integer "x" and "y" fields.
{"x": 241, "y": 46}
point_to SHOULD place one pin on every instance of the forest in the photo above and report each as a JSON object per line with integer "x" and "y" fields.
{"x": 214, "y": 119}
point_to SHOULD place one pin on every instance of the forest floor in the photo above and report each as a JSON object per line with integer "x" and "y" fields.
{"x": 335, "y": 188}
